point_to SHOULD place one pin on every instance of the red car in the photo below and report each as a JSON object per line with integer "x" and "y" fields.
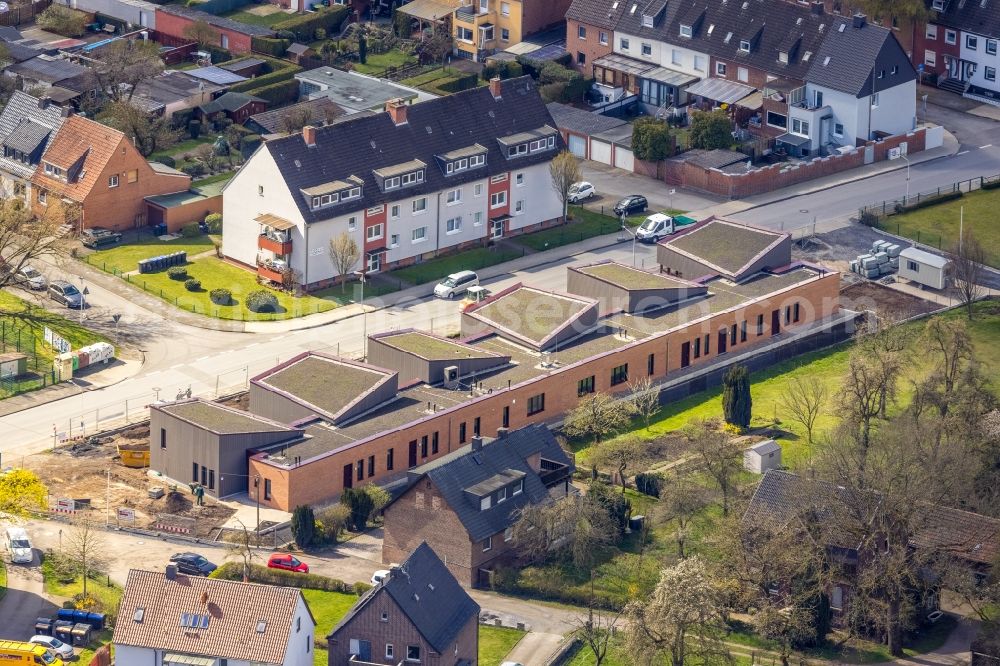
{"x": 287, "y": 562}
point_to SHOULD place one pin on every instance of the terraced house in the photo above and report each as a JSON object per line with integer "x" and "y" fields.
{"x": 406, "y": 184}
{"x": 317, "y": 424}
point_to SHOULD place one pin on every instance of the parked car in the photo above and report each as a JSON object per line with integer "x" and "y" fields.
{"x": 19, "y": 546}
{"x": 633, "y": 203}
{"x": 580, "y": 191}
{"x": 96, "y": 237}
{"x": 658, "y": 225}
{"x": 287, "y": 562}
{"x": 456, "y": 283}
{"x": 63, "y": 292}
{"x": 379, "y": 576}
{"x": 63, "y": 650}
{"x": 192, "y": 564}
{"x": 30, "y": 277}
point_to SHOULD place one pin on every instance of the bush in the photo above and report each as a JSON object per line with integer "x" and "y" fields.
{"x": 192, "y": 285}
{"x": 277, "y": 76}
{"x": 261, "y": 574}
{"x": 262, "y": 301}
{"x": 303, "y": 525}
{"x": 177, "y": 273}
{"x": 218, "y": 54}
{"x": 277, "y": 94}
{"x": 221, "y": 296}
{"x": 505, "y": 70}
{"x": 304, "y": 26}
{"x": 191, "y": 230}
{"x": 504, "y": 578}
{"x": 63, "y": 21}
{"x": 167, "y": 160}
{"x": 649, "y": 484}
{"x": 319, "y": 34}
{"x": 214, "y": 223}
{"x": 459, "y": 83}
{"x": 360, "y": 503}
{"x": 711, "y": 130}
{"x": 991, "y": 185}
{"x": 330, "y": 521}
{"x": 270, "y": 46}
{"x": 651, "y": 139}
{"x": 194, "y": 170}
{"x": 360, "y": 588}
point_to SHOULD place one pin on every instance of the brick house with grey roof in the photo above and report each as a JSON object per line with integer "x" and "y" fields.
{"x": 171, "y": 619}
{"x": 464, "y": 504}
{"x": 406, "y": 185}
{"x": 417, "y": 614}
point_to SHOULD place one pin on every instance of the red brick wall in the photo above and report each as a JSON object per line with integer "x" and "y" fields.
{"x": 320, "y": 479}
{"x": 768, "y": 179}
{"x": 502, "y": 186}
{"x": 591, "y": 47}
{"x": 173, "y": 26}
{"x": 940, "y": 48}
{"x": 539, "y": 14}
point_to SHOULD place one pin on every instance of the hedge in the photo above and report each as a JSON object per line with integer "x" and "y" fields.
{"x": 276, "y": 94}
{"x": 930, "y": 201}
{"x": 270, "y": 46}
{"x": 266, "y": 80}
{"x": 458, "y": 84}
{"x": 304, "y": 26}
{"x": 261, "y": 574}
{"x": 218, "y": 54}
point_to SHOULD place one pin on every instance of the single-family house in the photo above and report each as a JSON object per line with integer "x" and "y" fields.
{"x": 406, "y": 184}
{"x": 27, "y": 124}
{"x": 235, "y": 106}
{"x": 417, "y": 614}
{"x": 170, "y": 619}
{"x": 98, "y": 169}
{"x": 287, "y": 119}
{"x": 464, "y": 504}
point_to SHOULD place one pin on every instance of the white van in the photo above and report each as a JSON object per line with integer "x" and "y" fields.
{"x": 19, "y": 546}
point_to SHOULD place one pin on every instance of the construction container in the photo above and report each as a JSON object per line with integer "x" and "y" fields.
{"x": 82, "y": 359}
{"x": 894, "y": 262}
{"x": 854, "y": 266}
{"x": 886, "y": 268}
{"x": 134, "y": 455}
{"x": 99, "y": 352}
{"x": 64, "y": 366}
{"x": 882, "y": 258}
{"x": 868, "y": 263}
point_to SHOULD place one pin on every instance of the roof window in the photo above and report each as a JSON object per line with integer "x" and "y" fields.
{"x": 745, "y": 45}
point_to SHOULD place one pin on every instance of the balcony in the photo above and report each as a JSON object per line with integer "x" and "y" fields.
{"x": 269, "y": 271}
{"x": 354, "y": 660}
{"x": 277, "y": 243}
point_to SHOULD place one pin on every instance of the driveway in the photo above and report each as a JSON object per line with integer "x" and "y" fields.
{"x": 25, "y": 600}
{"x": 612, "y": 184}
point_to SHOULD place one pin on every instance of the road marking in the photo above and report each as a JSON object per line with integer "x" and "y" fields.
{"x": 203, "y": 358}
{"x": 174, "y": 367}
{"x": 989, "y": 145}
{"x": 962, "y": 152}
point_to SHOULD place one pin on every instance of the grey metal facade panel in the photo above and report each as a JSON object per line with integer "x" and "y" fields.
{"x": 681, "y": 265}
{"x": 585, "y": 322}
{"x": 271, "y": 405}
{"x": 776, "y": 257}
{"x": 408, "y": 366}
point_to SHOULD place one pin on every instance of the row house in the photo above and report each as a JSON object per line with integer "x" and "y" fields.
{"x": 812, "y": 80}
{"x": 27, "y": 124}
{"x": 406, "y": 184}
{"x": 958, "y": 45}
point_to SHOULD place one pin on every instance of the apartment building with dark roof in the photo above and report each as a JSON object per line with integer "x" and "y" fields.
{"x": 27, "y": 124}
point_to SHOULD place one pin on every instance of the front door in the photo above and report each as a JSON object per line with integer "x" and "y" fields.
{"x": 685, "y": 354}
{"x": 775, "y": 322}
{"x": 348, "y": 476}
{"x": 413, "y": 453}
{"x": 497, "y": 228}
{"x": 374, "y": 262}
{"x": 723, "y": 339}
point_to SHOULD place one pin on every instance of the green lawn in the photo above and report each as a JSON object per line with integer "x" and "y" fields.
{"x": 378, "y": 62}
{"x": 255, "y": 19}
{"x": 328, "y": 607}
{"x": 125, "y": 258}
{"x": 938, "y": 225}
{"x": 182, "y": 147}
{"x": 616, "y": 657}
{"x": 471, "y": 260}
{"x": 214, "y": 274}
{"x": 430, "y": 76}
{"x": 495, "y": 643}
{"x": 584, "y": 224}
{"x": 223, "y": 177}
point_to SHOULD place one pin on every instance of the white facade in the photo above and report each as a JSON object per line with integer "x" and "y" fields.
{"x": 894, "y": 112}
{"x": 983, "y": 52}
{"x": 661, "y": 54}
{"x": 925, "y": 268}
{"x": 136, "y": 12}
{"x": 299, "y": 652}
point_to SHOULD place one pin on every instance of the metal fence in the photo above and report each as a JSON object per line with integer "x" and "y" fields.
{"x": 15, "y": 337}
{"x": 879, "y": 211}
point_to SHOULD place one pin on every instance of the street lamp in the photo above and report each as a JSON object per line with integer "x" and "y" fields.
{"x": 83, "y": 297}
{"x": 364, "y": 317}
{"x": 907, "y": 160}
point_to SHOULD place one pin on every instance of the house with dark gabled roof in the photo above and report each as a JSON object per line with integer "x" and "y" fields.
{"x": 406, "y": 184}
{"x": 958, "y": 47}
{"x": 316, "y": 112}
{"x": 27, "y": 124}
{"x": 236, "y": 106}
{"x": 464, "y": 504}
{"x": 418, "y": 613}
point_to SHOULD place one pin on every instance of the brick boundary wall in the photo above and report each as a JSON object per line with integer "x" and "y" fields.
{"x": 776, "y": 176}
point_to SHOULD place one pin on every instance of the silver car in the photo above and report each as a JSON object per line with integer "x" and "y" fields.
{"x": 64, "y": 650}
{"x": 30, "y": 277}
{"x": 63, "y": 292}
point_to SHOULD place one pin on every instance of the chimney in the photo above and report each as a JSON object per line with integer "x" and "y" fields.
{"x": 495, "y": 87}
{"x": 477, "y": 443}
{"x": 817, "y": 8}
{"x": 43, "y": 103}
{"x": 66, "y": 111}
{"x": 502, "y": 432}
{"x": 396, "y": 108}
{"x": 309, "y": 135}
{"x": 858, "y": 20}
{"x": 171, "y": 572}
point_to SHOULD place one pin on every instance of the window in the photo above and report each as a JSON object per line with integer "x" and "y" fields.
{"x": 619, "y": 375}
{"x": 777, "y": 120}
{"x": 699, "y": 63}
{"x": 795, "y": 312}
{"x": 519, "y": 207}
{"x": 113, "y": 181}
{"x": 505, "y": 9}
{"x": 536, "y": 404}
{"x": 991, "y": 46}
{"x": 360, "y": 466}
{"x": 388, "y": 651}
{"x": 519, "y": 179}
{"x": 990, "y": 73}
{"x": 697, "y": 347}
{"x": 499, "y": 178}
{"x": 391, "y": 183}
{"x": 454, "y": 196}
{"x": 788, "y": 314}
{"x": 477, "y": 219}
{"x": 745, "y": 46}
{"x": 685, "y": 30}
{"x": 647, "y": 49}
{"x": 508, "y": 534}
{"x": 720, "y": 69}
{"x": 463, "y": 34}
{"x": 800, "y": 127}
{"x": 476, "y": 161}
{"x": 931, "y": 32}
{"x": 581, "y": 32}
{"x": 502, "y": 495}
{"x": 478, "y": 189}
{"x": 838, "y": 129}
{"x": 817, "y": 98}
{"x": 194, "y": 472}
{"x": 913, "y": 266}
{"x": 950, "y": 37}
{"x": 487, "y": 544}
{"x": 434, "y": 443}
{"x": 374, "y": 232}
{"x": 783, "y": 57}
{"x": 676, "y": 57}
{"x": 602, "y": 37}
{"x": 267, "y": 489}
{"x": 485, "y": 503}
{"x": 585, "y": 386}
{"x": 423, "y": 446}
{"x": 732, "y": 334}
{"x": 352, "y": 223}
{"x": 650, "y": 364}
{"x": 412, "y": 653}
{"x": 419, "y": 235}
{"x": 837, "y": 598}
{"x": 389, "y": 460}
{"x": 518, "y": 486}
{"x": 394, "y": 240}
{"x": 498, "y": 199}
{"x": 504, "y": 35}
{"x": 394, "y": 211}
{"x": 371, "y": 465}
{"x": 930, "y": 58}
{"x": 971, "y": 42}
{"x": 743, "y": 74}
{"x": 454, "y": 225}
{"x": 623, "y": 44}
{"x": 707, "y": 341}
{"x": 760, "y": 324}
{"x": 260, "y": 190}
{"x": 132, "y": 176}
{"x": 475, "y": 426}
{"x": 743, "y": 331}
{"x": 43, "y": 198}
{"x": 163, "y": 438}
{"x": 353, "y": 193}
{"x": 419, "y": 205}
{"x": 461, "y": 432}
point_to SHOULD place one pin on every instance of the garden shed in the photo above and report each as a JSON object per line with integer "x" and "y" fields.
{"x": 762, "y": 456}
{"x": 924, "y": 268}
{"x": 13, "y": 364}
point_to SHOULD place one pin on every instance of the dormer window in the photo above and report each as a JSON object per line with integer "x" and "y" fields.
{"x": 745, "y": 45}
{"x": 462, "y": 159}
{"x": 53, "y": 170}
{"x": 783, "y": 57}
{"x": 400, "y": 175}
{"x": 685, "y": 30}
{"x": 518, "y": 487}
{"x": 336, "y": 192}
{"x": 485, "y": 503}
{"x": 647, "y": 21}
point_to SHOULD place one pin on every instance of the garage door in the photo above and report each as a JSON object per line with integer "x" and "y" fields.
{"x": 624, "y": 159}
{"x": 578, "y": 146}
{"x": 600, "y": 151}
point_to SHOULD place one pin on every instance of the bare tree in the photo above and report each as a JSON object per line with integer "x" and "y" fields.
{"x": 344, "y": 253}
{"x": 294, "y": 119}
{"x": 967, "y": 261}
{"x": 863, "y": 394}
{"x": 242, "y": 547}
{"x": 620, "y": 454}
{"x": 564, "y": 170}
{"x": 645, "y": 398}
{"x": 575, "y": 524}
{"x": 25, "y": 239}
{"x": 681, "y": 500}
{"x": 202, "y": 33}
{"x": 149, "y": 132}
{"x": 803, "y": 400}
{"x": 123, "y": 65}
{"x": 597, "y": 416}
{"x": 596, "y": 629}
{"x": 718, "y": 456}
{"x": 84, "y": 546}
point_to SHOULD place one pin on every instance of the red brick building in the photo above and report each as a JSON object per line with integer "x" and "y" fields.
{"x": 590, "y": 31}
{"x": 417, "y": 614}
{"x": 172, "y": 21}
{"x": 98, "y": 169}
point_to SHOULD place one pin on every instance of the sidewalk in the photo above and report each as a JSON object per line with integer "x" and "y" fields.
{"x": 955, "y": 102}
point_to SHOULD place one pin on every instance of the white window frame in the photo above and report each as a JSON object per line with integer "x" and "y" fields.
{"x": 394, "y": 240}
{"x": 745, "y": 45}
{"x": 413, "y": 659}
{"x": 991, "y": 47}
{"x": 391, "y": 183}
{"x": 508, "y": 534}
{"x": 353, "y": 193}
{"x": 453, "y": 225}
{"x": 412, "y": 177}
{"x": 477, "y": 191}
{"x": 839, "y": 132}
{"x": 419, "y": 206}
{"x": 519, "y": 207}
{"x": 487, "y": 544}
{"x": 720, "y": 69}
{"x": 931, "y": 31}
{"x": 499, "y": 178}
{"x": 352, "y": 223}
{"x": 519, "y": 179}
{"x": 454, "y": 197}
{"x": 742, "y": 74}
{"x": 602, "y": 37}
{"x": 686, "y": 30}
{"x": 990, "y": 73}
{"x": 581, "y": 32}
{"x": 972, "y": 42}
{"x": 113, "y": 181}
{"x": 477, "y": 218}
{"x": 477, "y": 161}
{"x": 646, "y": 49}
{"x": 518, "y": 487}
{"x": 388, "y": 651}
{"x": 394, "y": 212}
{"x": 623, "y": 44}
{"x": 414, "y": 238}
{"x": 930, "y": 58}
{"x": 800, "y": 127}
{"x": 375, "y": 210}
{"x": 504, "y": 34}
{"x": 875, "y": 100}
{"x": 504, "y": 9}
{"x": 950, "y": 36}
{"x": 374, "y": 232}
{"x": 498, "y": 199}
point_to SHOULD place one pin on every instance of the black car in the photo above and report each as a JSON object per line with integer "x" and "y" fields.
{"x": 96, "y": 237}
{"x": 192, "y": 564}
{"x": 633, "y": 203}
